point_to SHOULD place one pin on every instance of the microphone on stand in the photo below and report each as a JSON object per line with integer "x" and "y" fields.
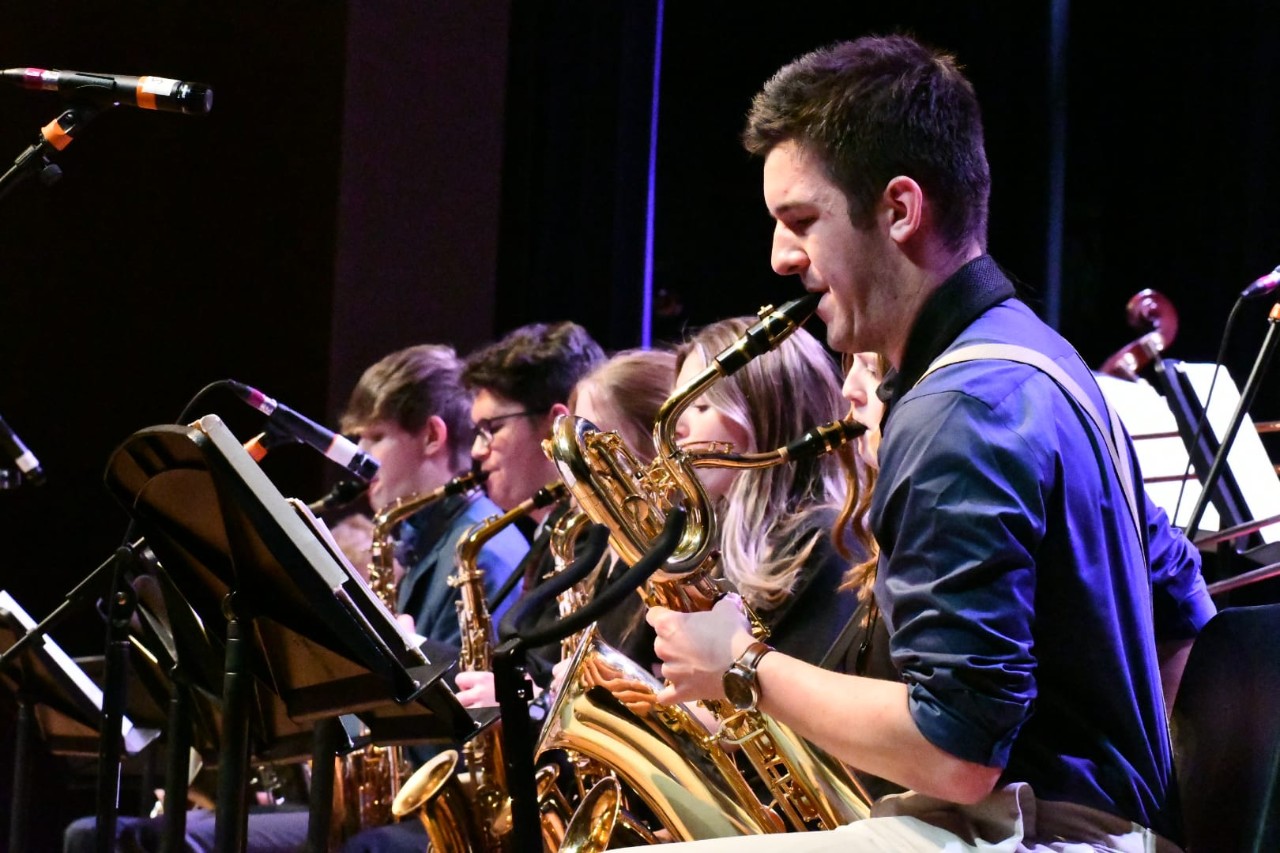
{"x": 281, "y": 420}
{"x": 1262, "y": 286}
{"x": 21, "y": 456}
{"x": 148, "y": 92}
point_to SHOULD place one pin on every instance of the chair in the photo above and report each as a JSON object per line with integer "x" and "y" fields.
{"x": 1226, "y": 734}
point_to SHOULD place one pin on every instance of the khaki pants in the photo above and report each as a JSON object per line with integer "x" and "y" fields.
{"x": 1011, "y": 820}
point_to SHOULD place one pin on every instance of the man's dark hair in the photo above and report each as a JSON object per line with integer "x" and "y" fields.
{"x": 535, "y": 365}
{"x": 876, "y": 108}
{"x": 410, "y": 385}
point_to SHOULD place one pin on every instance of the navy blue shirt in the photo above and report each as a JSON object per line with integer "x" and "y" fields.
{"x": 1021, "y": 609}
{"x": 428, "y": 547}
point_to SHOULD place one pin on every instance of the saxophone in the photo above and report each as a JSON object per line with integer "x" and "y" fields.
{"x": 809, "y": 788}
{"x": 476, "y": 817}
{"x": 368, "y": 779}
{"x": 563, "y": 536}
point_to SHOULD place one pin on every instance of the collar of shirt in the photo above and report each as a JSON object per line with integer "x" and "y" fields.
{"x": 957, "y": 302}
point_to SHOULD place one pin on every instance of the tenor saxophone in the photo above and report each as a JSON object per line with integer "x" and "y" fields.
{"x": 368, "y": 779}
{"x": 475, "y": 817}
{"x": 809, "y": 788}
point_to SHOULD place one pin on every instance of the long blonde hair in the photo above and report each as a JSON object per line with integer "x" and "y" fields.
{"x": 769, "y": 520}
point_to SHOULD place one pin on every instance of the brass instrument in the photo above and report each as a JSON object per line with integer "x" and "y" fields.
{"x": 605, "y": 711}
{"x": 563, "y": 536}
{"x": 601, "y": 822}
{"x": 368, "y": 779}
{"x": 476, "y": 816}
{"x": 810, "y": 788}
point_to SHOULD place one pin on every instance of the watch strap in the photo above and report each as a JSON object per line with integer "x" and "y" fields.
{"x": 750, "y": 657}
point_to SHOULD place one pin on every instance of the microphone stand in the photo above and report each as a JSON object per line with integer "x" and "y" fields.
{"x": 54, "y": 136}
{"x": 121, "y": 602}
{"x": 1237, "y": 418}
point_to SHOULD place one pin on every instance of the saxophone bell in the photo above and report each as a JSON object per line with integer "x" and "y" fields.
{"x": 436, "y": 795}
{"x": 601, "y": 822}
{"x": 368, "y": 780}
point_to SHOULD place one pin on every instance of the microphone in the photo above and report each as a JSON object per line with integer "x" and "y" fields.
{"x": 148, "y": 93}
{"x": 285, "y": 420}
{"x": 1262, "y": 286}
{"x": 22, "y": 457}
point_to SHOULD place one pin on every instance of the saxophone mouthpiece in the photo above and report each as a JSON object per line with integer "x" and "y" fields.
{"x": 465, "y": 482}
{"x": 774, "y": 326}
{"x": 343, "y": 492}
{"x": 823, "y": 439}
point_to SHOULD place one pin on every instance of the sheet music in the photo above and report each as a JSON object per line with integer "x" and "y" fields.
{"x": 1145, "y": 413}
{"x": 353, "y": 579}
{"x": 134, "y": 738}
{"x": 1247, "y": 458}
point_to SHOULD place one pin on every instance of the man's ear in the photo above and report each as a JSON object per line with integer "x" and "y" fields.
{"x": 904, "y": 203}
{"x": 435, "y": 436}
{"x": 555, "y": 411}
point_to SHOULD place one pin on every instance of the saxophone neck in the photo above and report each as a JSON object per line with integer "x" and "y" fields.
{"x": 401, "y": 508}
{"x": 773, "y": 327}
{"x": 468, "y": 549}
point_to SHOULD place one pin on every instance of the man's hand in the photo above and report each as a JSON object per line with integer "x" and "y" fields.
{"x": 697, "y": 648}
{"x": 475, "y": 689}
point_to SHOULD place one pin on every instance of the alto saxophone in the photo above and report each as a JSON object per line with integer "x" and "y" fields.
{"x": 809, "y": 787}
{"x": 476, "y": 817}
{"x": 368, "y": 779}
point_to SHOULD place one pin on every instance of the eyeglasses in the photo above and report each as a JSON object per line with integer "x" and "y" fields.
{"x": 486, "y": 427}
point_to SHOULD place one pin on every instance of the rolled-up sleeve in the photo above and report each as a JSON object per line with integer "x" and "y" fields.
{"x": 959, "y": 508}
{"x": 1180, "y": 597}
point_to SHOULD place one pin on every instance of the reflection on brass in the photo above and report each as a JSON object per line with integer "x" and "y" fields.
{"x": 681, "y": 771}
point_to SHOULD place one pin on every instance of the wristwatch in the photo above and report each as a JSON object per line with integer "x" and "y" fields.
{"x": 740, "y": 685}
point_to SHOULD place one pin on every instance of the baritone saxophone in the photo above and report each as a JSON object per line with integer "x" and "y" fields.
{"x": 809, "y": 788}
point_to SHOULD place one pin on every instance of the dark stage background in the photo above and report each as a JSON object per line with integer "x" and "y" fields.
{"x": 379, "y": 174}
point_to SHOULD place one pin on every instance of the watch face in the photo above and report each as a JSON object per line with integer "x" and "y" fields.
{"x": 738, "y": 689}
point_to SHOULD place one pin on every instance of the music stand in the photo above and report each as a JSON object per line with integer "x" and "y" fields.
{"x": 295, "y": 619}
{"x": 1246, "y": 494}
{"x": 57, "y": 697}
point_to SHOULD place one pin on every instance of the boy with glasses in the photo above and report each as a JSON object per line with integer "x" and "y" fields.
{"x": 521, "y": 384}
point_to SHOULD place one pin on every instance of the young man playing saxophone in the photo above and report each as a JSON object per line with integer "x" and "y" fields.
{"x": 521, "y": 384}
{"x": 413, "y": 414}
{"x": 1032, "y": 595}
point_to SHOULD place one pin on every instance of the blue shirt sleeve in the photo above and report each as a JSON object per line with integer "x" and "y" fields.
{"x": 956, "y": 580}
{"x": 1181, "y": 600}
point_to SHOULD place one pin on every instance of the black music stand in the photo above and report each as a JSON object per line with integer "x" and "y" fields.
{"x": 1225, "y": 491}
{"x": 60, "y": 701}
{"x": 304, "y": 638}
{"x": 1188, "y": 410}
